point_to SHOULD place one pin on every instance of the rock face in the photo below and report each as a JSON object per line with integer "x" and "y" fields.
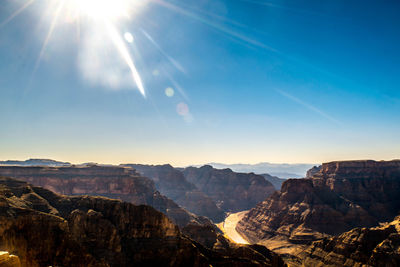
{"x": 341, "y": 196}
{"x": 171, "y": 183}
{"x": 313, "y": 170}
{"x": 231, "y": 191}
{"x": 113, "y": 182}
{"x": 47, "y": 229}
{"x": 379, "y": 246}
{"x": 275, "y": 181}
{"x": 7, "y": 260}
{"x": 282, "y": 170}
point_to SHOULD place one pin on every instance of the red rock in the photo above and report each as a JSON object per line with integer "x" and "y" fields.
{"x": 341, "y": 196}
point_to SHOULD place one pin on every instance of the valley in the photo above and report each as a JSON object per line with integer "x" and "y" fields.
{"x": 234, "y": 215}
{"x": 228, "y": 227}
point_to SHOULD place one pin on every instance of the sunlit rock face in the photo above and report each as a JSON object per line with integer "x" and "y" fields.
{"x": 231, "y": 191}
{"x": 172, "y": 183}
{"x": 379, "y": 246}
{"x": 111, "y": 181}
{"x": 46, "y": 229}
{"x": 7, "y": 260}
{"x": 341, "y": 196}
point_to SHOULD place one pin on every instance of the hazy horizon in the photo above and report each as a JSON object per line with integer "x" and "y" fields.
{"x": 77, "y": 162}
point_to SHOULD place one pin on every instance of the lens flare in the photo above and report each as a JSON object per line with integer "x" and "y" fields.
{"x": 128, "y": 37}
{"x": 169, "y": 92}
{"x": 119, "y": 43}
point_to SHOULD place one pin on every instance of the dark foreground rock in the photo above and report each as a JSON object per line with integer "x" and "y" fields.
{"x": 46, "y": 229}
{"x": 378, "y": 246}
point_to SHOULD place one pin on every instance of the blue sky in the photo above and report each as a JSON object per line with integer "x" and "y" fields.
{"x": 253, "y": 81}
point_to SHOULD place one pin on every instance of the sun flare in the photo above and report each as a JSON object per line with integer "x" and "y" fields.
{"x": 103, "y": 9}
{"x": 108, "y": 14}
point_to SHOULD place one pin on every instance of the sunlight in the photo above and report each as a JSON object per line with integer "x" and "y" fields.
{"x": 109, "y": 12}
{"x": 102, "y": 9}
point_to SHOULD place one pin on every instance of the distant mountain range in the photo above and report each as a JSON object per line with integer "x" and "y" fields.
{"x": 36, "y": 162}
{"x": 281, "y": 170}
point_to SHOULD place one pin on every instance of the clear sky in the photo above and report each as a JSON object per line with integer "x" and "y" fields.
{"x": 224, "y": 81}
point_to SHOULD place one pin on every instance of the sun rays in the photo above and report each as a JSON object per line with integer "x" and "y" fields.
{"x": 102, "y": 20}
{"x": 96, "y": 13}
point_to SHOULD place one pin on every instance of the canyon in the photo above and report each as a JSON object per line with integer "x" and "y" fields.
{"x": 108, "y": 181}
{"x": 338, "y": 197}
{"x": 172, "y": 183}
{"x": 47, "y": 229}
{"x": 375, "y": 246}
{"x": 231, "y": 191}
{"x": 342, "y": 214}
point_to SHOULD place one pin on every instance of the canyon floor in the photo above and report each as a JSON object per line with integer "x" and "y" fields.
{"x": 228, "y": 227}
{"x": 278, "y": 245}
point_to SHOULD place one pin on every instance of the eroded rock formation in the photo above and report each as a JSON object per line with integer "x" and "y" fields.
{"x": 378, "y": 246}
{"x": 171, "y": 183}
{"x": 314, "y": 170}
{"x": 46, "y": 229}
{"x": 111, "y": 181}
{"x": 341, "y": 196}
{"x": 231, "y": 191}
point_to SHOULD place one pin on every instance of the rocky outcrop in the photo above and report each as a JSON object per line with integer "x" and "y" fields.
{"x": 111, "y": 181}
{"x": 282, "y": 170}
{"x": 7, "y": 260}
{"x": 313, "y": 170}
{"x": 379, "y": 246}
{"x": 171, "y": 183}
{"x": 275, "y": 181}
{"x": 341, "y": 196}
{"x": 231, "y": 191}
{"x": 46, "y": 229}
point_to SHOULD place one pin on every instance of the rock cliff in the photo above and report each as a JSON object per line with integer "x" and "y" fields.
{"x": 231, "y": 191}
{"x": 274, "y": 180}
{"x": 310, "y": 173}
{"x": 46, "y": 229}
{"x": 341, "y": 196}
{"x": 378, "y": 246}
{"x": 111, "y": 181}
{"x": 172, "y": 183}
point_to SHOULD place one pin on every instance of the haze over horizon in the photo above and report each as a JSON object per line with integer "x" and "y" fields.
{"x": 223, "y": 81}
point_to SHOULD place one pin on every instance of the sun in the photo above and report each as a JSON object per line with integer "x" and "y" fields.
{"x": 103, "y": 9}
{"x": 106, "y": 14}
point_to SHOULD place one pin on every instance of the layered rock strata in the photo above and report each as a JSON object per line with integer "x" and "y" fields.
{"x": 46, "y": 229}
{"x": 112, "y": 182}
{"x": 232, "y": 192}
{"x": 341, "y": 196}
{"x": 172, "y": 183}
{"x": 378, "y": 246}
